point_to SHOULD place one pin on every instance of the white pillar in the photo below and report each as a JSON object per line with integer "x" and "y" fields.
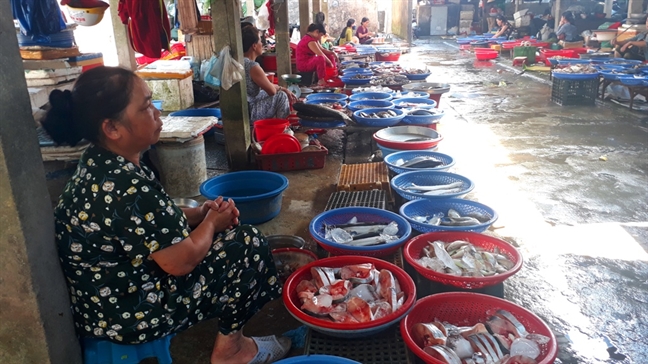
{"x": 608, "y": 8}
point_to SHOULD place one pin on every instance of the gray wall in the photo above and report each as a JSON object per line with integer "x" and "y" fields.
{"x": 339, "y": 11}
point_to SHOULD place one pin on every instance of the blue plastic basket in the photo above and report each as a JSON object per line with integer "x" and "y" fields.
{"x": 364, "y": 96}
{"x": 257, "y": 202}
{"x": 378, "y": 121}
{"x": 632, "y": 81}
{"x": 574, "y": 61}
{"x": 610, "y": 75}
{"x": 355, "y": 81}
{"x": 412, "y": 94}
{"x": 574, "y": 76}
{"x": 325, "y": 101}
{"x": 388, "y": 151}
{"x": 431, "y": 207}
{"x": 357, "y": 71}
{"x": 417, "y": 77}
{"x": 424, "y": 103}
{"x": 327, "y": 96}
{"x": 363, "y": 214}
{"x": 426, "y": 178}
{"x": 406, "y": 155}
{"x": 381, "y": 63}
{"x": 374, "y": 104}
{"x": 423, "y": 119}
{"x": 316, "y": 359}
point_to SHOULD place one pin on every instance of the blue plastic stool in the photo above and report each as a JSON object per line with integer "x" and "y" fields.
{"x": 106, "y": 352}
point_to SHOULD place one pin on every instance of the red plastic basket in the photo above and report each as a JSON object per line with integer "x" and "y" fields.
{"x": 291, "y": 161}
{"x": 467, "y": 309}
{"x": 387, "y": 57}
{"x": 569, "y": 53}
{"x": 292, "y": 301}
{"x": 486, "y": 55}
{"x": 413, "y": 249}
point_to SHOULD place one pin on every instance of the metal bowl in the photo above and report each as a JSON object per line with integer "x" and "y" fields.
{"x": 294, "y": 78}
{"x": 185, "y": 202}
{"x": 431, "y": 88}
{"x": 285, "y": 241}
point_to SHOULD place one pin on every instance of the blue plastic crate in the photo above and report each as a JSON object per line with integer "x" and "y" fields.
{"x": 407, "y": 155}
{"x": 428, "y": 178}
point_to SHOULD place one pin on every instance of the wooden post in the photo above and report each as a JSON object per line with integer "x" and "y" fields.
{"x": 316, "y": 8}
{"x": 125, "y": 53}
{"x": 226, "y": 23}
{"x": 557, "y": 14}
{"x": 324, "y": 8}
{"x": 304, "y": 16}
{"x": 282, "y": 37}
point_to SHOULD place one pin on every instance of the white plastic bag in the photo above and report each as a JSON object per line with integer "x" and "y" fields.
{"x": 207, "y": 76}
{"x": 233, "y": 71}
{"x": 262, "y": 19}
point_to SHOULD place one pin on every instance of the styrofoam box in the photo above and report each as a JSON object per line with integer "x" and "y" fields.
{"x": 465, "y": 23}
{"x": 176, "y": 94}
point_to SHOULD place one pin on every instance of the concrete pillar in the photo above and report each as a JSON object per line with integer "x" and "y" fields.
{"x": 635, "y": 7}
{"x": 282, "y": 37}
{"x": 608, "y": 8}
{"x": 35, "y": 316}
{"x": 249, "y": 5}
{"x": 316, "y": 8}
{"x": 557, "y": 13}
{"x": 125, "y": 53}
{"x": 226, "y": 23}
{"x": 304, "y": 16}
{"x": 324, "y": 9}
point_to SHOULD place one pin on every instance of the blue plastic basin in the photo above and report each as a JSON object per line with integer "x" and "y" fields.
{"x": 316, "y": 359}
{"x": 366, "y": 104}
{"x": 360, "y": 96}
{"x": 257, "y": 194}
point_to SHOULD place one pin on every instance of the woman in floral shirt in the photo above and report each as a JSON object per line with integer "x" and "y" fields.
{"x": 138, "y": 267}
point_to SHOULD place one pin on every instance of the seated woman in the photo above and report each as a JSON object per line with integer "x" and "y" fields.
{"x": 363, "y": 34}
{"x": 634, "y": 48}
{"x": 139, "y": 267}
{"x": 310, "y": 56}
{"x": 266, "y": 99}
{"x": 505, "y": 28}
{"x": 567, "y": 30}
{"x": 347, "y": 33}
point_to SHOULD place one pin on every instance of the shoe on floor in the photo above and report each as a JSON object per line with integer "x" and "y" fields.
{"x": 270, "y": 349}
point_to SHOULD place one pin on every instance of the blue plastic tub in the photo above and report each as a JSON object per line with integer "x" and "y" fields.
{"x": 257, "y": 194}
{"x": 632, "y": 81}
{"x": 357, "y": 70}
{"x": 387, "y": 151}
{"x": 429, "y": 178}
{"x": 423, "y": 103}
{"x": 574, "y": 76}
{"x": 316, "y": 359}
{"x": 411, "y": 94}
{"x": 380, "y": 121}
{"x": 423, "y": 119}
{"x": 327, "y": 96}
{"x": 325, "y": 101}
{"x": 417, "y": 77}
{"x": 431, "y": 207}
{"x": 363, "y": 214}
{"x": 376, "y": 104}
{"x": 407, "y": 155}
{"x": 360, "y": 96}
{"x": 355, "y": 81}
{"x": 381, "y": 63}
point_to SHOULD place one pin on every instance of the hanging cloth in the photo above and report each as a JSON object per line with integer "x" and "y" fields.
{"x": 148, "y": 25}
{"x": 271, "y": 18}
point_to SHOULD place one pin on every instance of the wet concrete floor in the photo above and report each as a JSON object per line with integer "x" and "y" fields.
{"x": 570, "y": 185}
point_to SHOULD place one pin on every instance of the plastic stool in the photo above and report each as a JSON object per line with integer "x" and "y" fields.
{"x": 106, "y": 352}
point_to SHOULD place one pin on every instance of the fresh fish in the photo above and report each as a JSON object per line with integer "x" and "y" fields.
{"x": 460, "y": 346}
{"x": 380, "y": 309}
{"x": 473, "y": 261}
{"x": 323, "y": 276}
{"x": 358, "y": 273}
{"x": 525, "y": 347}
{"x": 520, "y": 329}
{"x": 419, "y": 139}
{"x": 424, "y": 163}
{"x": 478, "y": 346}
{"x": 306, "y": 290}
{"x": 414, "y": 187}
{"x": 343, "y": 317}
{"x": 443, "y": 192}
{"x": 518, "y": 359}
{"x": 365, "y": 291}
{"x": 463, "y": 221}
{"x": 320, "y": 305}
{"x": 359, "y": 309}
{"x": 338, "y": 290}
{"x": 427, "y": 335}
{"x": 443, "y": 255}
{"x": 340, "y": 236}
{"x": 359, "y": 229}
{"x": 387, "y": 288}
{"x": 443, "y": 354}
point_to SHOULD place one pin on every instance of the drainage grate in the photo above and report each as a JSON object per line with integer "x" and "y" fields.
{"x": 363, "y": 177}
{"x": 374, "y": 198}
{"x": 386, "y": 347}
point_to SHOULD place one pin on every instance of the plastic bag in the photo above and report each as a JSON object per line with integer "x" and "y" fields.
{"x": 263, "y": 18}
{"x": 210, "y": 80}
{"x": 38, "y": 18}
{"x": 233, "y": 71}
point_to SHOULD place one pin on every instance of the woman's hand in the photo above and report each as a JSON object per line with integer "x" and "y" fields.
{"x": 225, "y": 217}
{"x": 291, "y": 97}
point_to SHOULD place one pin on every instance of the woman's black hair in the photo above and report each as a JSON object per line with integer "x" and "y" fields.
{"x": 250, "y": 37}
{"x": 100, "y": 93}
{"x": 313, "y": 27}
{"x": 320, "y": 18}
{"x": 500, "y": 17}
{"x": 569, "y": 17}
{"x": 350, "y": 22}
{"x": 364, "y": 19}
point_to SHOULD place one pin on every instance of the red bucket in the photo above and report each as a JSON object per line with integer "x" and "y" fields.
{"x": 265, "y": 128}
{"x": 331, "y": 72}
{"x": 387, "y": 56}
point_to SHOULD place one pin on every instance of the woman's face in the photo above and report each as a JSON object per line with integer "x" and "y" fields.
{"x": 499, "y": 22}
{"x": 366, "y": 23}
{"x": 317, "y": 35}
{"x": 141, "y": 118}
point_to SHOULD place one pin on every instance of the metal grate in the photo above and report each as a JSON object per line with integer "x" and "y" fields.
{"x": 386, "y": 347}
{"x": 374, "y": 198}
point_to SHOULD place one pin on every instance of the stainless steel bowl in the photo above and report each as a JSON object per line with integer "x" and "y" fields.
{"x": 431, "y": 88}
{"x": 186, "y": 202}
{"x": 294, "y": 78}
{"x": 285, "y": 241}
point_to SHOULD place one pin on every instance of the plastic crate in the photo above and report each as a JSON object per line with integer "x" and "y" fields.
{"x": 291, "y": 161}
{"x": 574, "y": 92}
{"x": 528, "y": 52}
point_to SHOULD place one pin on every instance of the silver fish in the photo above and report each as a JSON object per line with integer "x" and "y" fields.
{"x": 415, "y": 187}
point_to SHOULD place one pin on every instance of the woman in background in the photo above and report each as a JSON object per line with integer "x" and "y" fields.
{"x": 347, "y": 33}
{"x": 567, "y": 30}
{"x": 363, "y": 34}
{"x": 310, "y": 56}
{"x": 266, "y": 99}
{"x": 505, "y": 28}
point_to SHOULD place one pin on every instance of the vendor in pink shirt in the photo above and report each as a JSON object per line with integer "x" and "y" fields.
{"x": 310, "y": 56}
{"x": 363, "y": 34}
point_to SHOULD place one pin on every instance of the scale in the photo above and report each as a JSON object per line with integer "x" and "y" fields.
{"x": 293, "y": 80}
